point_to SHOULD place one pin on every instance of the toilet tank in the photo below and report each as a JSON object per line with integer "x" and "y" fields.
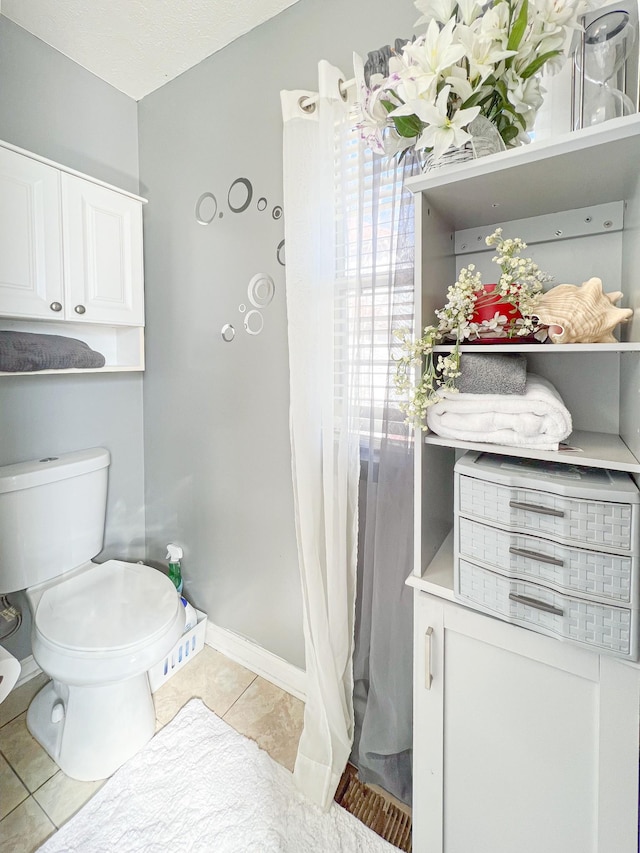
{"x": 52, "y": 514}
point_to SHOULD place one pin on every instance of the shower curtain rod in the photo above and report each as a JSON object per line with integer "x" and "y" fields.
{"x": 308, "y": 104}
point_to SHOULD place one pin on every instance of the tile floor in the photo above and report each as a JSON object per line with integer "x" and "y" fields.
{"x": 36, "y": 797}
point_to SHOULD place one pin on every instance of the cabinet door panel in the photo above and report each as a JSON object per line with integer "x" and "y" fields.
{"x": 521, "y": 742}
{"x": 103, "y": 254}
{"x": 521, "y": 753}
{"x": 30, "y": 243}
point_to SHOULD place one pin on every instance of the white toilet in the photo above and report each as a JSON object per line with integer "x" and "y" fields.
{"x": 97, "y": 628}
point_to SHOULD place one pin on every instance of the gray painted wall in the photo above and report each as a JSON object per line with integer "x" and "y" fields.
{"x": 53, "y": 107}
{"x": 217, "y": 455}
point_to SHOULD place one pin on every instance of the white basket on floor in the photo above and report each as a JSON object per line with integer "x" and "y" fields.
{"x": 187, "y": 647}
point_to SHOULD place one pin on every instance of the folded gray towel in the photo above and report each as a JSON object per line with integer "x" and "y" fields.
{"x": 492, "y": 373}
{"x": 22, "y": 351}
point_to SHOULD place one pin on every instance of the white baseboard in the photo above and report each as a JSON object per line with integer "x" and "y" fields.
{"x": 264, "y": 663}
{"x": 28, "y": 670}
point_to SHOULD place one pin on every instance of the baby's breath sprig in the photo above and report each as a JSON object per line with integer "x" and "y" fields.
{"x": 521, "y": 284}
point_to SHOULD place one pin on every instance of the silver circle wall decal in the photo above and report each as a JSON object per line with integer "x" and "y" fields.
{"x": 253, "y": 322}
{"x": 261, "y": 290}
{"x": 242, "y": 308}
{"x": 228, "y": 333}
{"x": 262, "y": 204}
{"x": 277, "y": 212}
{"x": 245, "y": 198}
{"x": 203, "y": 206}
{"x": 280, "y": 253}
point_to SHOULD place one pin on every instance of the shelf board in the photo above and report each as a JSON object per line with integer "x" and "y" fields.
{"x": 556, "y": 349}
{"x": 437, "y": 578}
{"x": 596, "y": 450}
{"x": 108, "y": 368}
{"x": 590, "y": 166}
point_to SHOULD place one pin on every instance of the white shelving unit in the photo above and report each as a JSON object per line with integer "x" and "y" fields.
{"x": 576, "y": 201}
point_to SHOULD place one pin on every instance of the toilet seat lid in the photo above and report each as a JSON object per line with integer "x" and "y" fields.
{"x": 112, "y": 606}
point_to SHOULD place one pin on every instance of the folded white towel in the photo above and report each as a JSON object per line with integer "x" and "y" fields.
{"x": 536, "y": 419}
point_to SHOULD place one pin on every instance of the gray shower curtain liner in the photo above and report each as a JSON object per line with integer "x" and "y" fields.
{"x": 382, "y": 749}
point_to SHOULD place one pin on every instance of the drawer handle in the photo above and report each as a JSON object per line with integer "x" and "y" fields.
{"x": 539, "y": 605}
{"x": 542, "y": 510}
{"x": 533, "y": 555}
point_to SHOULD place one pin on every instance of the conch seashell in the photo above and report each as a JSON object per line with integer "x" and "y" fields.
{"x": 581, "y": 315}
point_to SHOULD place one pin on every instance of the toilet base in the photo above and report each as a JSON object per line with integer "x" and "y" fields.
{"x": 90, "y": 731}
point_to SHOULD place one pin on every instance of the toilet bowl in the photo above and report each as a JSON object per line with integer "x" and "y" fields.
{"x": 96, "y": 632}
{"x": 97, "y": 628}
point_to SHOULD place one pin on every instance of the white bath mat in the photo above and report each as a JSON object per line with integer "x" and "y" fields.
{"x": 200, "y": 787}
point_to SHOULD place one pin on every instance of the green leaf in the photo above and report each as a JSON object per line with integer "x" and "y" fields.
{"x": 520, "y": 25}
{"x": 537, "y": 63}
{"x": 501, "y": 88}
{"x": 509, "y": 133}
{"x": 473, "y": 100}
{"x": 408, "y": 126}
{"x": 388, "y": 105}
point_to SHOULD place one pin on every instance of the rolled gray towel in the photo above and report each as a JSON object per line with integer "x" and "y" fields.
{"x": 27, "y": 351}
{"x": 492, "y": 373}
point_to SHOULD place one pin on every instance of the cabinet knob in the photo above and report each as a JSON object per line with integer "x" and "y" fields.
{"x": 55, "y": 306}
{"x": 79, "y": 309}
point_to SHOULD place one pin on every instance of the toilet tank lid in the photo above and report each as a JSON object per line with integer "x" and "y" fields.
{"x": 25, "y": 475}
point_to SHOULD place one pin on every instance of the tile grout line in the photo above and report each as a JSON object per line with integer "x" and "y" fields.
{"x": 238, "y": 698}
{"x": 22, "y": 802}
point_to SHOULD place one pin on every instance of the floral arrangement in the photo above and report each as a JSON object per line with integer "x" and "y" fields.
{"x": 476, "y": 58}
{"x": 515, "y": 296}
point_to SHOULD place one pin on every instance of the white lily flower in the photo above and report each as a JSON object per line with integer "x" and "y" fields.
{"x": 558, "y": 12}
{"x": 436, "y": 51}
{"x": 372, "y": 116}
{"x": 525, "y": 95}
{"x": 459, "y": 82}
{"x": 469, "y": 10}
{"x": 494, "y": 24}
{"x": 483, "y": 53}
{"x": 443, "y": 132}
{"x": 434, "y": 10}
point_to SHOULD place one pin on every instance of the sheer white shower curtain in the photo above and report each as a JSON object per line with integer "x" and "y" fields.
{"x": 324, "y": 441}
{"x": 349, "y": 246}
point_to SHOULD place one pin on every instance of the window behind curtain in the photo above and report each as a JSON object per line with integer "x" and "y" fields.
{"x": 375, "y": 281}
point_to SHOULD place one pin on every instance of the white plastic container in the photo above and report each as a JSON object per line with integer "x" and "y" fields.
{"x": 187, "y": 647}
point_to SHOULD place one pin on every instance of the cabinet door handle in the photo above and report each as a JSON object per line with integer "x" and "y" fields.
{"x": 55, "y": 306}
{"x": 533, "y": 555}
{"x": 428, "y": 677}
{"x": 533, "y": 602}
{"x": 542, "y": 510}
{"x": 79, "y": 309}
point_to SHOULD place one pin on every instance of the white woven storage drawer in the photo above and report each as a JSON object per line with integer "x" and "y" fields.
{"x": 595, "y": 626}
{"x": 588, "y": 522}
{"x": 593, "y": 508}
{"x": 593, "y": 574}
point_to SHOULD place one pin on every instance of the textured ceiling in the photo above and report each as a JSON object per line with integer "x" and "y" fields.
{"x": 138, "y": 45}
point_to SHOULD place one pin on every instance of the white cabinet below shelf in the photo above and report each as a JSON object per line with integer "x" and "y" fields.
{"x": 520, "y": 742}
{"x": 71, "y": 259}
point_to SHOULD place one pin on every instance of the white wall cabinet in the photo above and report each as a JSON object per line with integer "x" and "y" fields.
{"x": 524, "y": 742}
{"x": 71, "y": 258}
